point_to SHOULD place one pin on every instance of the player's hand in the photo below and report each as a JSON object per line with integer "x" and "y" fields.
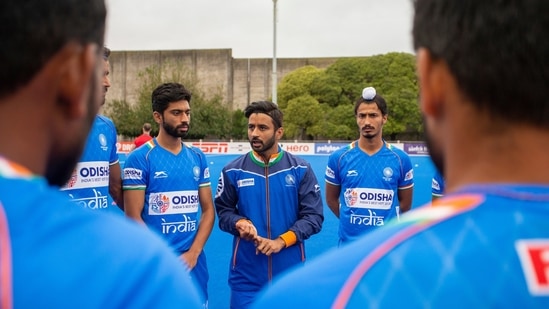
{"x": 246, "y": 229}
{"x": 189, "y": 259}
{"x": 269, "y": 246}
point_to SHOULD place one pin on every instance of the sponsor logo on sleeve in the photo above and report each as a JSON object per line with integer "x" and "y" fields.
{"x": 133, "y": 173}
{"x": 409, "y": 175}
{"x": 435, "y": 185}
{"x": 330, "y": 172}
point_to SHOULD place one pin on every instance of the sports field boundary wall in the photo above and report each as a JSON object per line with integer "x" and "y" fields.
{"x": 298, "y": 148}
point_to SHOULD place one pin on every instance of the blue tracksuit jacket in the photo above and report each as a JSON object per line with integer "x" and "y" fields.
{"x": 277, "y": 197}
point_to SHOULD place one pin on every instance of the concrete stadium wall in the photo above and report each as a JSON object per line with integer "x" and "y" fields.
{"x": 240, "y": 80}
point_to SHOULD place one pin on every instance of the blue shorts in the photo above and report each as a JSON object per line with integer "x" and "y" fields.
{"x": 242, "y": 299}
{"x": 200, "y": 275}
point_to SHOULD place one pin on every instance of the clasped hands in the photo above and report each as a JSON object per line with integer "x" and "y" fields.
{"x": 247, "y": 231}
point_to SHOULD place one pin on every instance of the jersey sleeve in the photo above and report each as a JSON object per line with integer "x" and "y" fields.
{"x": 136, "y": 172}
{"x": 204, "y": 170}
{"x": 114, "y": 154}
{"x": 311, "y": 214}
{"x": 437, "y": 185}
{"x": 332, "y": 170}
{"x": 407, "y": 179}
{"x": 225, "y": 201}
{"x": 113, "y": 135}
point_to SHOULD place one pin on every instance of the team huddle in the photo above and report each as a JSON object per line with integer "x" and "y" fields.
{"x": 482, "y": 71}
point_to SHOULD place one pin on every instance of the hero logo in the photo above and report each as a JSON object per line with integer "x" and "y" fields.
{"x": 297, "y": 148}
{"x": 212, "y": 147}
{"x": 132, "y": 173}
{"x": 534, "y": 259}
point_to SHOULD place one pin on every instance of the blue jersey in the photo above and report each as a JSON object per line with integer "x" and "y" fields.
{"x": 171, "y": 184}
{"x": 369, "y": 186}
{"x": 437, "y": 185}
{"x": 89, "y": 183}
{"x": 483, "y": 247}
{"x": 64, "y": 256}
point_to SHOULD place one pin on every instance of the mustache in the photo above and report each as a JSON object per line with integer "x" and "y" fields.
{"x": 367, "y": 127}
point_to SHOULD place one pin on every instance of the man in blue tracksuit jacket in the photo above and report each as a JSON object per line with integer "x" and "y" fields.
{"x": 270, "y": 201}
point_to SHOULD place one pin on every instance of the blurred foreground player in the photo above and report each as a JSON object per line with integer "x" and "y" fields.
{"x": 59, "y": 255}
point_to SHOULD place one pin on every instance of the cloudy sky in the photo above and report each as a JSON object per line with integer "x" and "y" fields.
{"x": 305, "y": 28}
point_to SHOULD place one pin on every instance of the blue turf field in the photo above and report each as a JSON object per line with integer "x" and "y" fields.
{"x": 218, "y": 247}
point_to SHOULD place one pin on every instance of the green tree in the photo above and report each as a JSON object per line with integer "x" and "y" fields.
{"x": 239, "y": 127}
{"x": 208, "y": 113}
{"x": 340, "y": 123}
{"x": 302, "y": 118}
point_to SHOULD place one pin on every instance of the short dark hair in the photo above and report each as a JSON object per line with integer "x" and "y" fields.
{"x": 34, "y": 30}
{"x": 168, "y": 93}
{"x": 378, "y": 100}
{"x": 497, "y": 51}
{"x": 268, "y": 108}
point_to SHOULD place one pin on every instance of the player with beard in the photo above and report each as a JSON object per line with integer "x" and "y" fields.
{"x": 52, "y": 253}
{"x": 270, "y": 201}
{"x": 368, "y": 182}
{"x": 483, "y": 75}
{"x": 167, "y": 183}
{"x": 97, "y": 173}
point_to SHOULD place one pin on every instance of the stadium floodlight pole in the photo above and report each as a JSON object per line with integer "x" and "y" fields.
{"x": 274, "y": 54}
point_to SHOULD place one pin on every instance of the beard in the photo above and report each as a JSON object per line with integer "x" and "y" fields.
{"x": 434, "y": 151}
{"x": 62, "y": 161}
{"x": 264, "y": 146}
{"x": 174, "y": 130}
{"x": 369, "y": 135}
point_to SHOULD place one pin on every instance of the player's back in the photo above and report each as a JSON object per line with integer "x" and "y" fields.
{"x": 64, "y": 256}
{"x": 483, "y": 248}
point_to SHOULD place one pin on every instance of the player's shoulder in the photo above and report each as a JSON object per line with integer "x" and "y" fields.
{"x": 87, "y": 237}
{"x": 344, "y": 150}
{"x": 193, "y": 149}
{"x": 142, "y": 153}
{"x": 102, "y": 119}
{"x": 396, "y": 150}
{"x": 241, "y": 162}
{"x": 295, "y": 159}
